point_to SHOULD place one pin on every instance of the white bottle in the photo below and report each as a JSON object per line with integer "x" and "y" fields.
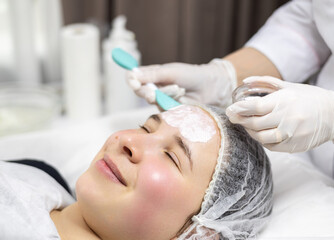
{"x": 118, "y": 95}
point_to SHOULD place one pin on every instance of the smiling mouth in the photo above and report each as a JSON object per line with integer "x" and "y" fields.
{"x": 109, "y": 168}
{"x": 113, "y": 167}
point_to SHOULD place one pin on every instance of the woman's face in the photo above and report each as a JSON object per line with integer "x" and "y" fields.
{"x": 146, "y": 183}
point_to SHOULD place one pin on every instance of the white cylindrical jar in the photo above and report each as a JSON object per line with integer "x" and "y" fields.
{"x": 81, "y": 71}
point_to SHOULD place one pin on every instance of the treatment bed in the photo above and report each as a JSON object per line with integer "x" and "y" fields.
{"x": 303, "y": 196}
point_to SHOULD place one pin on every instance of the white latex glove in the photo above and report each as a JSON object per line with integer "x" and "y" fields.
{"x": 296, "y": 118}
{"x": 210, "y": 83}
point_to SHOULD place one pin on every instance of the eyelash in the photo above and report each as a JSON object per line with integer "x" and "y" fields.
{"x": 171, "y": 158}
{"x": 145, "y": 129}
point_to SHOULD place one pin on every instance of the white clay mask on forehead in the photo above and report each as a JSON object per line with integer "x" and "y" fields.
{"x": 193, "y": 123}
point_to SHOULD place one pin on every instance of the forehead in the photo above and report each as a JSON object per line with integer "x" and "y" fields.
{"x": 201, "y": 134}
{"x": 194, "y": 123}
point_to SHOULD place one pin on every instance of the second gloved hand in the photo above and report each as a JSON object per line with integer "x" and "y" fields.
{"x": 296, "y": 118}
{"x": 210, "y": 83}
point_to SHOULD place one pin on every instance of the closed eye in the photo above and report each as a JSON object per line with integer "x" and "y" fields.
{"x": 144, "y": 128}
{"x": 169, "y": 155}
{"x": 172, "y": 158}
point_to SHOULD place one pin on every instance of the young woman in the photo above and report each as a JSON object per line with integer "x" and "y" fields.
{"x": 187, "y": 173}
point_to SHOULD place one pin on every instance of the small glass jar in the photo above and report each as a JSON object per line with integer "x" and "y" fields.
{"x": 254, "y": 89}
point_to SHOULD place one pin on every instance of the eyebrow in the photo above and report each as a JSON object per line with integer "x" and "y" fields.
{"x": 156, "y": 118}
{"x": 185, "y": 149}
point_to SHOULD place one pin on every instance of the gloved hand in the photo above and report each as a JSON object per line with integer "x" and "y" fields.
{"x": 210, "y": 83}
{"x": 296, "y": 118}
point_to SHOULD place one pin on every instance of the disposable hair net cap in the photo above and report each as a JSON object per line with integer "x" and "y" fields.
{"x": 238, "y": 201}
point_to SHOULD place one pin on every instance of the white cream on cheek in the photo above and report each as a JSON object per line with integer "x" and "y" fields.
{"x": 193, "y": 123}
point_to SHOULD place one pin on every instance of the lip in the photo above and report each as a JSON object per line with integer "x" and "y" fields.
{"x": 109, "y": 168}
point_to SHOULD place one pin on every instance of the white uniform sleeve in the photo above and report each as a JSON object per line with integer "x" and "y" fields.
{"x": 290, "y": 39}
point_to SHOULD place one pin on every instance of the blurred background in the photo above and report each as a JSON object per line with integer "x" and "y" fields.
{"x": 192, "y": 31}
{"x": 55, "y": 59}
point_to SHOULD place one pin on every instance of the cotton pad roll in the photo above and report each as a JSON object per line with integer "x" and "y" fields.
{"x": 81, "y": 71}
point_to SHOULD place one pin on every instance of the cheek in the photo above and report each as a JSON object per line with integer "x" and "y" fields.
{"x": 113, "y": 138}
{"x": 158, "y": 182}
{"x": 158, "y": 193}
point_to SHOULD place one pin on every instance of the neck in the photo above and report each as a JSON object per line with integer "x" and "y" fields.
{"x": 70, "y": 224}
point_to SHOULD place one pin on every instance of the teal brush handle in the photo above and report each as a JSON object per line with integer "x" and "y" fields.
{"x": 165, "y": 101}
{"x": 125, "y": 60}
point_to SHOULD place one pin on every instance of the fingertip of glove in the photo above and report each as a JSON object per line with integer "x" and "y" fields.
{"x": 150, "y": 97}
{"x": 134, "y": 84}
{"x": 265, "y": 79}
{"x": 182, "y": 91}
{"x": 251, "y": 79}
{"x": 236, "y": 108}
{"x": 230, "y": 113}
{"x": 147, "y": 92}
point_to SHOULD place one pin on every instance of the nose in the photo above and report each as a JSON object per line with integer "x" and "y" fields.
{"x": 135, "y": 146}
{"x": 132, "y": 147}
